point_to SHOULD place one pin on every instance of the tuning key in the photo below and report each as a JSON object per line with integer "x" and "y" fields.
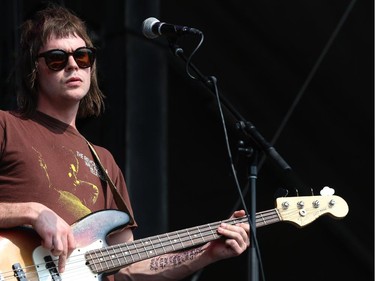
{"x": 285, "y": 205}
{"x": 281, "y": 192}
{"x": 332, "y": 203}
{"x": 316, "y": 204}
{"x": 300, "y": 205}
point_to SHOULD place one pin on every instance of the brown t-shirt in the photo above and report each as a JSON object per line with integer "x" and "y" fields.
{"x": 45, "y": 160}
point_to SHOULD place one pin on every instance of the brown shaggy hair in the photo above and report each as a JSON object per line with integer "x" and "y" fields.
{"x": 60, "y": 22}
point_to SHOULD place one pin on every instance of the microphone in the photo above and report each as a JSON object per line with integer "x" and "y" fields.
{"x": 153, "y": 28}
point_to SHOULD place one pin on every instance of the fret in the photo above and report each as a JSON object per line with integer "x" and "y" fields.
{"x": 128, "y": 252}
{"x": 176, "y": 241}
{"x": 153, "y": 251}
{"x": 191, "y": 239}
{"x": 263, "y": 220}
{"x": 111, "y": 254}
{"x": 145, "y": 247}
{"x": 213, "y": 233}
{"x": 267, "y": 217}
{"x": 115, "y": 257}
{"x": 150, "y": 248}
{"x": 135, "y": 247}
{"x": 122, "y": 256}
{"x": 136, "y": 250}
{"x": 97, "y": 262}
{"x": 161, "y": 243}
{"x": 166, "y": 243}
{"x": 171, "y": 241}
{"x": 179, "y": 239}
{"x": 100, "y": 260}
{"x": 103, "y": 261}
{"x": 208, "y": 231}
{"x": 200, "y": 232}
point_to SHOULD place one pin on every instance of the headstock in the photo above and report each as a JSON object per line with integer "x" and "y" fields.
{"x": 302, "y": 210}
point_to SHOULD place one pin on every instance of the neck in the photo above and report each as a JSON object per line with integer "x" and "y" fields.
{"x": 66, "y": 116}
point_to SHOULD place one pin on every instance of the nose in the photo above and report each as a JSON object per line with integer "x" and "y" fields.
{"x": 72, "y": 64}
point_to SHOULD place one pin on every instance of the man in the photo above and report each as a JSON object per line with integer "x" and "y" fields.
{"x": 49, "y": 177}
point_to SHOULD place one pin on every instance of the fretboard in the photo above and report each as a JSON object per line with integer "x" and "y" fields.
{"x": 112, "y": 258}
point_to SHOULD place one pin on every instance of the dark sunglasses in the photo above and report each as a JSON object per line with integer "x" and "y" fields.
{"x": 57, "y": 59}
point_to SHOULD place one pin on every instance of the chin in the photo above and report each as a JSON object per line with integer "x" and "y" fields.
{"x": 76, "y": 95}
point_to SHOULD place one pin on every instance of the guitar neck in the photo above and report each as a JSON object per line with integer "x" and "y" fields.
{"x": 112, "y": 258}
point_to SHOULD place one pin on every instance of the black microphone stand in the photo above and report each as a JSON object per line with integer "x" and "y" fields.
{"x": 258, "y": 144}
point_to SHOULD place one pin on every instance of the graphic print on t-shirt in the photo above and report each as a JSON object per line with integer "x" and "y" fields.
{"x": 76, "y": 193}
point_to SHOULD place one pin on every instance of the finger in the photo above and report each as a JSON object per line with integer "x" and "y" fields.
{"x": 239, "y": 213}
{"x": 57, "y": 247}
{"x": 47, "y": 243}
{"x": 61, "y": 250}
{"x": 236, "y": 233}
{"x": 62, "y": 262}
{"x": 246, "y": 230}
{"x": 71, "y": 243}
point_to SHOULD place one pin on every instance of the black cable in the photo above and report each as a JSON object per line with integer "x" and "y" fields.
{"x": 284, "y": 121}
{"x": 252, "y": 225}
{"x": 212, "y": 81}
{"x": 197, "y": 275}
{"x": 304, "y": 87}
{"x": 311, "y": 75}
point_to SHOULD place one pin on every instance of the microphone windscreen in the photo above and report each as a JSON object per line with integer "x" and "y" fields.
{"x": 147, "y": 27}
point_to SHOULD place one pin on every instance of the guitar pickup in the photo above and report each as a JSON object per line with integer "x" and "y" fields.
{"x": 51, "y": 266}
{"x": 18, "y": 272}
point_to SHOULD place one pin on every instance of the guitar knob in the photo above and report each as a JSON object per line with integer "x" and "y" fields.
{"x": 332, "y": 203}
{"x": 285, "y": 205}
{"x": 316, "y": 204}
{"x": 300, "y": 205}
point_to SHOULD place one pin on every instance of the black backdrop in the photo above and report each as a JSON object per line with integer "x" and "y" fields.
{"x": 302, "y": 67}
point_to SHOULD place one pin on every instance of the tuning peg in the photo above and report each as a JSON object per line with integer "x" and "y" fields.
{"x": 281, "y": 192}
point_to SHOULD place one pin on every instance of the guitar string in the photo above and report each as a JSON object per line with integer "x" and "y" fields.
{"x": 113, "y": 251}
{"x": 30, "y": 269}
{"x": 194, "y": 236}
{"x": 183, "y": 239}
{"x": 74, "y": 273}
{"x": 265, "y": 215}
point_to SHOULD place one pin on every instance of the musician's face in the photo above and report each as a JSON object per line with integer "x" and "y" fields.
{"x": 62, "y": 89}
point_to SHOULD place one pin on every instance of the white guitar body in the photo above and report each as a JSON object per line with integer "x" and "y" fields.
{"x": 76, "y": 268}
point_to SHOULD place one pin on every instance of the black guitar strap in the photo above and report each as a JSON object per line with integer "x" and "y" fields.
{"x": 120, "y": 202}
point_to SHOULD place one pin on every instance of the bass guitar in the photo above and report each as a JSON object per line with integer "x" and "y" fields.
{"x": 23, "y": 259}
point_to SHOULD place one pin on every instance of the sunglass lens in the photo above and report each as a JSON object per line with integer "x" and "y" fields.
{"x": 84, "y": 57}
{"x": 56, "y": 59}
